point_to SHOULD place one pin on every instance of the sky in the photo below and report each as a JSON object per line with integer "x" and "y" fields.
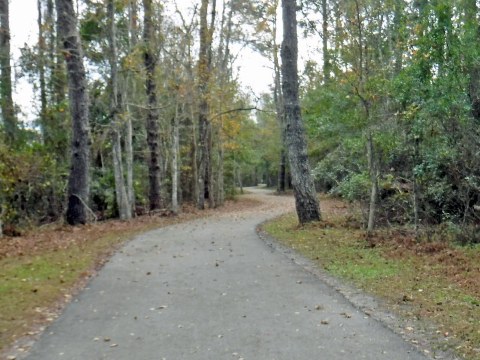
{"x": 23, "y": 29}
{"x": 254, "y": 71}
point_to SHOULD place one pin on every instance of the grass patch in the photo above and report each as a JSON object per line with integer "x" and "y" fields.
{"x": 438, "y": 282}
{"x": 29, "y": 285}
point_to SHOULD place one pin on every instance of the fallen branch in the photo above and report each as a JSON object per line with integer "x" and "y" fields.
{"x": 87, "y": 207}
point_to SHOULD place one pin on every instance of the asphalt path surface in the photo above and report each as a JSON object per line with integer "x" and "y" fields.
{"x": 212, "y": 289}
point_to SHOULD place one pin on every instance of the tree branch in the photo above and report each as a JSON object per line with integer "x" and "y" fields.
{"x": 239, "y": 109}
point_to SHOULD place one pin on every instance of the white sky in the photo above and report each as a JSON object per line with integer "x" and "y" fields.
{"x": 23, "y": 29}
{"x": 255, "y": 71}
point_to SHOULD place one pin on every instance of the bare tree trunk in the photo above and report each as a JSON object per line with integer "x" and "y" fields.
{"x": 1, "y": 216}
{"x": 133, "y": 22}
{"x": 6, "y": 100}
{"x": 175, "y": 157}
{"x": 220, "y": 177}
{"x": 373, "y": 168}
{"x": 195, "y": 176}
{"x": 78, "y": 190}
{"x": 204, "y": 125}
{"x": 152, "y": 126}
{"x": 129, "y": 161}
{"x": 416, "y": 189}
{"x": 211, "y": 175}
{"x": 473, "y": 28}
{"x": 124, "y": 207}
{"x": 133, "y": 39}
{"x": 278, "y": 99}
{"x": 305, "y": 196}
{"x": 41, "y": 72}
{"x": 325, "y": 52}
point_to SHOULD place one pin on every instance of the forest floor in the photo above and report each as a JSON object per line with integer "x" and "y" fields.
{"x": 434, "y": 287}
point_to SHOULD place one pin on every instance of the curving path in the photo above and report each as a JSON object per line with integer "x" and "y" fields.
{"x": 212, "y": 289}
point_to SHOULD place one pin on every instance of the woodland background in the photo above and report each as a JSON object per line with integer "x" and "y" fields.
{"x": 391, "y": 109}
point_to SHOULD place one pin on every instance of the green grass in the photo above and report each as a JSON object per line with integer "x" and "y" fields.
{"x": 29, "y": 285}
{"x": 395, "y": 276}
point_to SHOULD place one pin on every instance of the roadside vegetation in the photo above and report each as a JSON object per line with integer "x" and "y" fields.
{"x": 436, "y": 279}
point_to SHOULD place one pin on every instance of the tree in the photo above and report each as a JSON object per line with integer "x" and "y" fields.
{"x": 123, "y": 201}
{"x": 6, "y": 100}
{"x": 204, "y": 125}
{"x": 153, "y": 138}
{"x": 305, "y": 196}
{"x": 78, "y": 187}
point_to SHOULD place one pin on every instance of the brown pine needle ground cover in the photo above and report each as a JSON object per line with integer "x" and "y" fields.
{"x": 41, "y": 270}
{"x": 435, "y": 283}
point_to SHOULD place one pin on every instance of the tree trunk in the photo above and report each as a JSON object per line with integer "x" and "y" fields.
{"x": 325, "y": 52}
{"x": 175, "y": 157}
{"x": 220, "y": 177}
{"x": 373, "y": 168}
{"x": 129, "y": 160}
{"x": 416, "y": 189}
{"x": 124, "y": 207}
{"x": 305, "y": 196}
{"x": 6, "y": 100}
{"x": 473, "y": 30}
{"x": 152, "y": 126}
{"x": 210, "y": 185}
{"x": 278, "y": 99}
{"x": 133, "y": 22}
{"x": 57, "y": 122}
{"x": 78, "y": 190}
{"x": 131, "y": 89}
{"x": 194, "y": 152}
{"x": 41, "y": 72}
{"x": 204, "y": 125}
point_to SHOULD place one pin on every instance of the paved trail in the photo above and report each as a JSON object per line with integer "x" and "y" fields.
{"x": 211, "y": 289}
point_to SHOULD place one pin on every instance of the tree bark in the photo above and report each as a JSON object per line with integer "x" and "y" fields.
{"x": 124, "y": 207}
{"x": 152, "y": 126}
{"x": 56, "y": 122}
{"x": 78, "y": 189}
{"x": 175, "y": 158}
{"x": 6, "y": 100}
{"x": 416, "y": 188}
{"x": 279, "y": 105}
{"x": 41, "y": 72}
{"x": 325, "y": 33}
{"x": 131, "y": 89}
{"x": 278, "y": 99}
{"x": 473, "y": 29}
{"x": 204, "y": 68}
{"x": 373, "y": 168}
{"x": 306, "y": 201}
